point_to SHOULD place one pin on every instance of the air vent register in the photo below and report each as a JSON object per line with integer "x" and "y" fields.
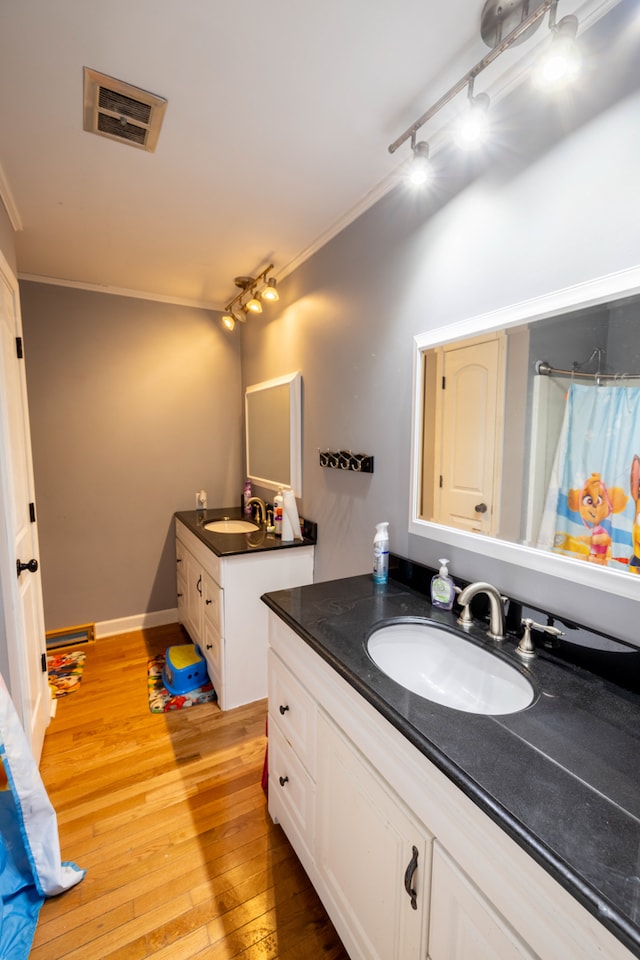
{"x": 122, "y": 112}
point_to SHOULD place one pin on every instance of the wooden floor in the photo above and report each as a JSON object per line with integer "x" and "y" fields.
{"x": 167, "y": 815}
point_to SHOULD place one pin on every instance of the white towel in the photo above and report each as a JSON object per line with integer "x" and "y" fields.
{"x": 290, "y": 518}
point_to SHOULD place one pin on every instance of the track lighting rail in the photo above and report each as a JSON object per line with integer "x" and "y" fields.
{"x": 470, "y": 76}
{"x": 252, "y": 290}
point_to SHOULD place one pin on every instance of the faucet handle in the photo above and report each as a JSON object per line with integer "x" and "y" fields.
{"x": 526, "y": 649}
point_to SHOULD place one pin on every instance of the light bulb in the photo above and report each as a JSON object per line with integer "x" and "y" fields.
{"x": 420, "y": 168}
{"x": 228, "y": 321}
{"x": 560, "y": 65}
{"x": 473, "y": 126}
{"x": 254, "y": 304}
{"x": 270, "y": 292}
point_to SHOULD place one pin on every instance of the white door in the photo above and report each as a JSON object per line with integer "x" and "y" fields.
{"x": 22, "y": 640}
{"x": 468, "y": 432}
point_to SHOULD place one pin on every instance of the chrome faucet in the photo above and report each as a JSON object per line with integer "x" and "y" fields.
{"x": 262, "y": 508}
{"x": 496, "y": 608}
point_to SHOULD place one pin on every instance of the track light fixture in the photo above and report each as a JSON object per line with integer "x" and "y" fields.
{"x": 255, "y": 303}
{"x": 560, "y": 63}
{"x": 270, "y": 292}
{"x": 503, "y": 24}
{"x": 420, "y": 166}
{"x": 250, "y": 297}
{"x": 473, "y": 125}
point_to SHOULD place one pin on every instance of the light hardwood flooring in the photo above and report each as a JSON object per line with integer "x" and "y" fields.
{"x": 167, "y": 815}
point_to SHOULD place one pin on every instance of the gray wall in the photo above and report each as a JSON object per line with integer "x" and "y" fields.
{"x": 551, "y": 211}
{"x": 134, "y": 406}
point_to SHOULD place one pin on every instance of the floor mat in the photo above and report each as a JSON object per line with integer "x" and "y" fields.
{"x": 161, "y": 701}
{"x": 65, "y": 671}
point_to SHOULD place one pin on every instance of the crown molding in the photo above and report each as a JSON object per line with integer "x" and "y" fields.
{"x": 121, "y": 292}
{"x": 6, "y": 196}
{"x": 372, "y": 197}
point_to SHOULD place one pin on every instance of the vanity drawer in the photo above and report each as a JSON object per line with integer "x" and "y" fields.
{"x": 292, "y": 711}
{"x": 291, "y": 795}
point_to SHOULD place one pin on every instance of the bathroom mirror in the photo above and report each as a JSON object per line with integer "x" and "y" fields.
{"x": 525, "y": 434}
{"x": 273, "y": 427}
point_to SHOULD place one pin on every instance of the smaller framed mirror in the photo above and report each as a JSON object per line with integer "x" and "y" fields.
{"x": 273, "y": 432}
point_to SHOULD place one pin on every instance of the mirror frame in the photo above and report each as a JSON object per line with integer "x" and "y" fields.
{"x": 605, "y": 289}
{"x": 294, "y": 425}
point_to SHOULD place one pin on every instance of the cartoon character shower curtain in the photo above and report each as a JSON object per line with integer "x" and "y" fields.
{"x": 591, "y": 509}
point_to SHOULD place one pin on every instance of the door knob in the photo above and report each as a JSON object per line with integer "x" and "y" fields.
{"x": 31, "y": 566}
{"x": 480, "y": 508}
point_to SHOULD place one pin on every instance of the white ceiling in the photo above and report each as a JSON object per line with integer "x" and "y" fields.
{"x": 275, "y": 136}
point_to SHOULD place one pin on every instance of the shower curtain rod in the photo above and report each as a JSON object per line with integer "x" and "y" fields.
{"x": 544, "y": 369}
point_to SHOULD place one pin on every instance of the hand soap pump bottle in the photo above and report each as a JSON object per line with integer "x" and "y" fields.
{"x": 278, "y": 502}
{"x": 381, "y": 553}
{"x": 246, "y": 496}
{"x": 443, "y": 590}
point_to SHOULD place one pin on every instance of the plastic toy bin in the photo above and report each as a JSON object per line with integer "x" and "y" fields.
{"x": 184, "y": 669}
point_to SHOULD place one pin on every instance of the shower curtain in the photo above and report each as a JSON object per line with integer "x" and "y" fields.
{"x": 592, "y": 502}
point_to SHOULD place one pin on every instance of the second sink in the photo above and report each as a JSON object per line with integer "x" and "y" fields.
{"x": 448, "y": 669}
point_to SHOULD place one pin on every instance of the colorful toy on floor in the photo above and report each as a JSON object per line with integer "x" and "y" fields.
{"x": 184, "y": 669}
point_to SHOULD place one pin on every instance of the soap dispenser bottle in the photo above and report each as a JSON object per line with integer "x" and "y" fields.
{"x": 246, "y": 496}
{"x": 443, "y": 590}
{"x": 381, "y": 553}
{"x": 278, "y": 502}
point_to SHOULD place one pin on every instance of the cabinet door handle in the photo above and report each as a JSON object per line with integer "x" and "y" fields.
{"x": 208, "y": 602}
{"x": 283, "y": 709}
{"x": 179, "y": 595}
{"x": 408, "y": 878}
{"x": 199, "y": 585}
{"x": 283, "y": 780}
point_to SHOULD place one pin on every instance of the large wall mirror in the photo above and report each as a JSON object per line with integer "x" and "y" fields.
{"x": 526, "y": 434}
{"x": 273, "y": 432}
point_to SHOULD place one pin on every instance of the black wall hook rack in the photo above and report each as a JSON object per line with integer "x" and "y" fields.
{"x": 345, "y": 460}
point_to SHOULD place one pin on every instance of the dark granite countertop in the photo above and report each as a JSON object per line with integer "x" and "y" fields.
{"x": 231, "y": 544}
{"x": 561, "y": 777}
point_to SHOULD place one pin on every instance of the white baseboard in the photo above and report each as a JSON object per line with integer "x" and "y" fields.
{"x": 109, "y": 628}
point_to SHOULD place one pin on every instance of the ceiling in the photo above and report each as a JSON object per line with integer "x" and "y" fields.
{"x": 275, "y": 135}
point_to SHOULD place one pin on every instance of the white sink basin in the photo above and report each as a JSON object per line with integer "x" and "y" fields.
{"x": 231, "y": 526}
{"x": 446, "y": 668}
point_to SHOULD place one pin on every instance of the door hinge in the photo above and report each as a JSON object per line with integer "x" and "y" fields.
{"x": 44, "y": 663}
{"x": 441, "y": 482}
{"x": 32, "y": 512}
{"x": 444, "y": 382}
{"x": 19, "y": 348}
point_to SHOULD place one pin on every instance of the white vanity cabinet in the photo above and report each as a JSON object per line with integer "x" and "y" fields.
{"x": 357, "y": 799}
{"x": 352, "y": 833}
{"x": 219, "y": 605}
